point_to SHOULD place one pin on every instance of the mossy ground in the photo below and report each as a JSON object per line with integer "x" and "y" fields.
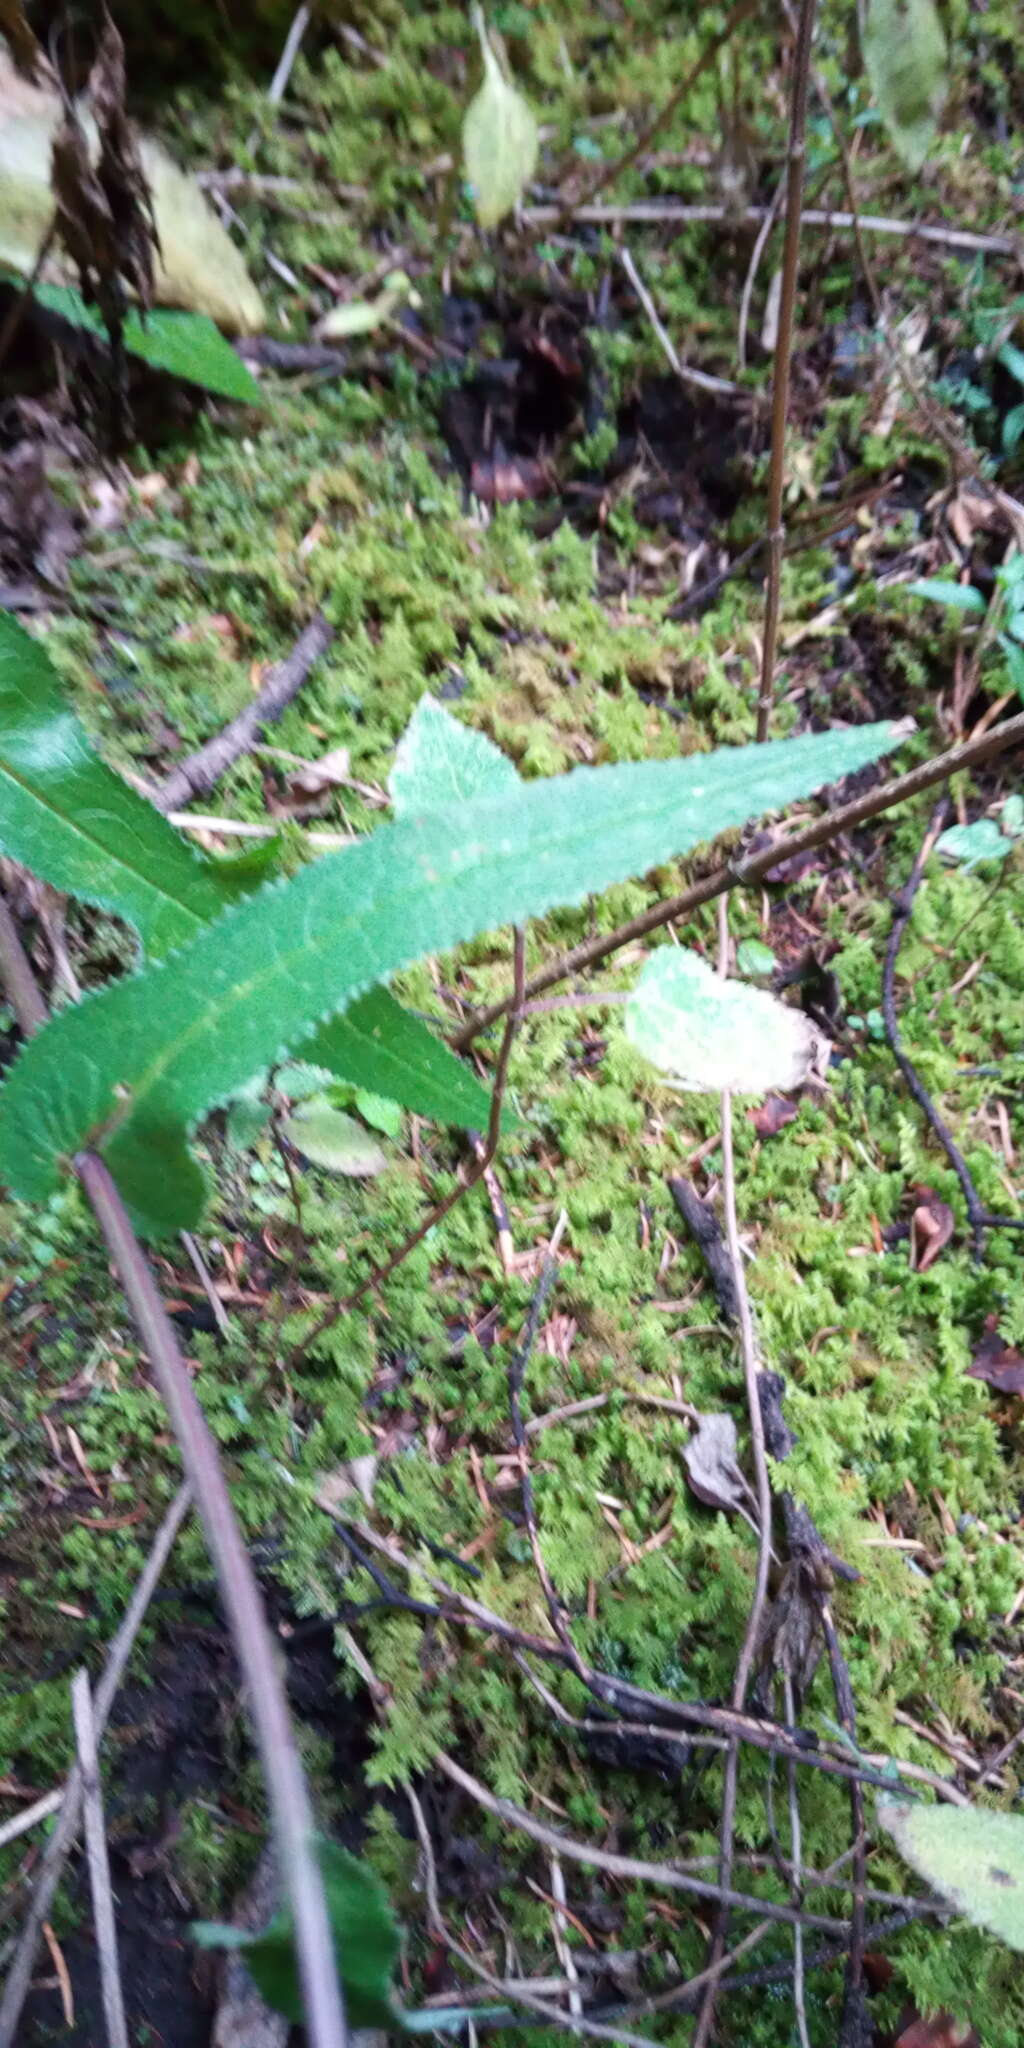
{"x": 557, "y": 644}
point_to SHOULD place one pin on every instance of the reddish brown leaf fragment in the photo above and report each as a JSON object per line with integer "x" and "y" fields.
{"x": 931, "y": 1227}
{"x": 772, "y": 1115}
{"x": 998, "y": 1364}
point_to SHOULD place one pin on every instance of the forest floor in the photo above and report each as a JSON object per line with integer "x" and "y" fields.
{"x": 506, "y": 497}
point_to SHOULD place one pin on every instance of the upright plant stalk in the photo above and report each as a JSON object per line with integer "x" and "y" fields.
{"x": 286, "y": 1786}
{"x": 784, "y": 353}
{"x": 291, "y": 1813}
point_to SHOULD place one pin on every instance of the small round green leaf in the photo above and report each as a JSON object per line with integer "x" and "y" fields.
{"x": 754, "y": 958}
{"x": 499, "y": 141}
{"x": 330, "y": 1138}
{"x": 905, "y": 60}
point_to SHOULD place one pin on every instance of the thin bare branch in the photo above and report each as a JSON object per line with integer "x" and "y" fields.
{"x": 673, "y": 213}
{"x": 776, "y": 532}
{"x": 99, "y": 1863}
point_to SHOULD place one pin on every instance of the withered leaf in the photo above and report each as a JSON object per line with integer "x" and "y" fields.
{"x": 771, "y": 1116}
{"x": 931, "y": 1227}
{"x": 942, "y": 2030}
{"x": 998, "y": 1364}
{"x": 712, "y": 1465}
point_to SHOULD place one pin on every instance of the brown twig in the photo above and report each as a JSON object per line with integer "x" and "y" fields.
{"x": 483, "y": 1158}
{"x": 979, "y": 1218}
{"x": 199, "y": 771}
{"x": 99, "y": 1863}
{"x": 290, "y": 1809}
{"x": 516, "y": 1374}
{"x": 776, "y": 533}
{"x": 746, "y": 869}
{"x": 62, "y": 1840}
{"x": 562, "y": 214}
{"x": 672, "y": 213}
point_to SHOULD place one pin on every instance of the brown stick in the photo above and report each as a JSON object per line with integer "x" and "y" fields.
{"x": 744, "y": 871}
{"x": 198, "y": 773}
{"x": 776, "y": 535}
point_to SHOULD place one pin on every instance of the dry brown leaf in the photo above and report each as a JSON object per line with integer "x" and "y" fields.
{"x": 931, "y": 1227}
{"x": 712, "y": 1465}
{"x": 998, "y": 1364}
{"x": 773, "y": 1114}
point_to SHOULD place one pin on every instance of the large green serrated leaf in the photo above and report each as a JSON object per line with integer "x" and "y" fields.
{"x": 68, "y": 817}
{"x": 65, "y": 815}
{"x": 164, "y": 1046}
{"x": 975, "y": 1859}
{"x": 905, "y": 59}
{"x": 440, "y": 762}
{"x": 185, "y": 345}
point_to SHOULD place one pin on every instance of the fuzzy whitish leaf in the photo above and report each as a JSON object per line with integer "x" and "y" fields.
{"x": 499, "y": 140}
{"x": 440, "y": 762}
{"x": 1012, "y": 818}
{"x": 65, "y": 815}
{"x": 753, "y": 957}
{"x": 377, "y": 1045}
{"x": 185, "y": 345}
{"x": 975, "y": 1859}
{"x": 364, "y": 1930}
{"x": 959, "y": 597}
{"x": 710, "y": 1034}
{"x": 973, "y": 844}
{"x": 169, "y": 1043}
{"x": 905, "y": 60}
{"x": 330, "y": 1138}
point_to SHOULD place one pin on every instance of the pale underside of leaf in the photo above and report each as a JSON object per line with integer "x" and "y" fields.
{"x": 169, "y": 1043}
{"x": 710, "y": 1034}
{"x": 973, "y": 1857}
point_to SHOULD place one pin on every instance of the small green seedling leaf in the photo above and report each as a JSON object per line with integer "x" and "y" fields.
{"x": 499, "y": 139}
{"x": 330, "y": 1138}
{"x": 382, "y": 1115}
{"x": 365, "y": 1934}
{"x": 905, "y": 60}
{"x": 185, "y": 345}
{"x": 439, "y": 762}
{"x": 363, "y": 316}
{"x": 165, "y": 1045}
{"x": 975, "y": 1859}
{"x": 959, "y": 597}
{"x": 754, "y": 958}
{"x": 973, "y": 844}
{"x": 710, "y": 1034}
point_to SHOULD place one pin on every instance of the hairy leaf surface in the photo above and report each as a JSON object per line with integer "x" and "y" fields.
{"x": 380, "y": 1047}
{"x": 167, "y": 1044}
{"x": 439, "y": 761}
{"x": 68, "y": 817}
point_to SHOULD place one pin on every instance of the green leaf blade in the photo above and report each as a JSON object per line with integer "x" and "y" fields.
{"x": 958, "y": 597}
{"x": 185, "y": 345}
{"x": 440, "y": 762}
{"x": 711, "y": 1034}
{"x": 377, "y": 1045}
{"x": 173, "y": 1041}
{"x": 65, "y": 815}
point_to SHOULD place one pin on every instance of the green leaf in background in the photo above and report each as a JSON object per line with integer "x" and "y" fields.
{"x": 710, "y": 1034}
{"x": 960, "y": 597}
{"x": 366, "y": 1938}
{"x": 331, "y": 1139}
{"x": 753, "y": 957}
{"x": 973, "y": 844}
{"x": 185, "y": 345}
{"x": 167, "y": 1044}
{"x": 377, "y": 1111}
{"x": 975, "y": 1859}
{"x": 65, "y": 815}
{"x": 905, "y": 60}
{"x": 499, "y": 139}
{"x": 439, "y": 761}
